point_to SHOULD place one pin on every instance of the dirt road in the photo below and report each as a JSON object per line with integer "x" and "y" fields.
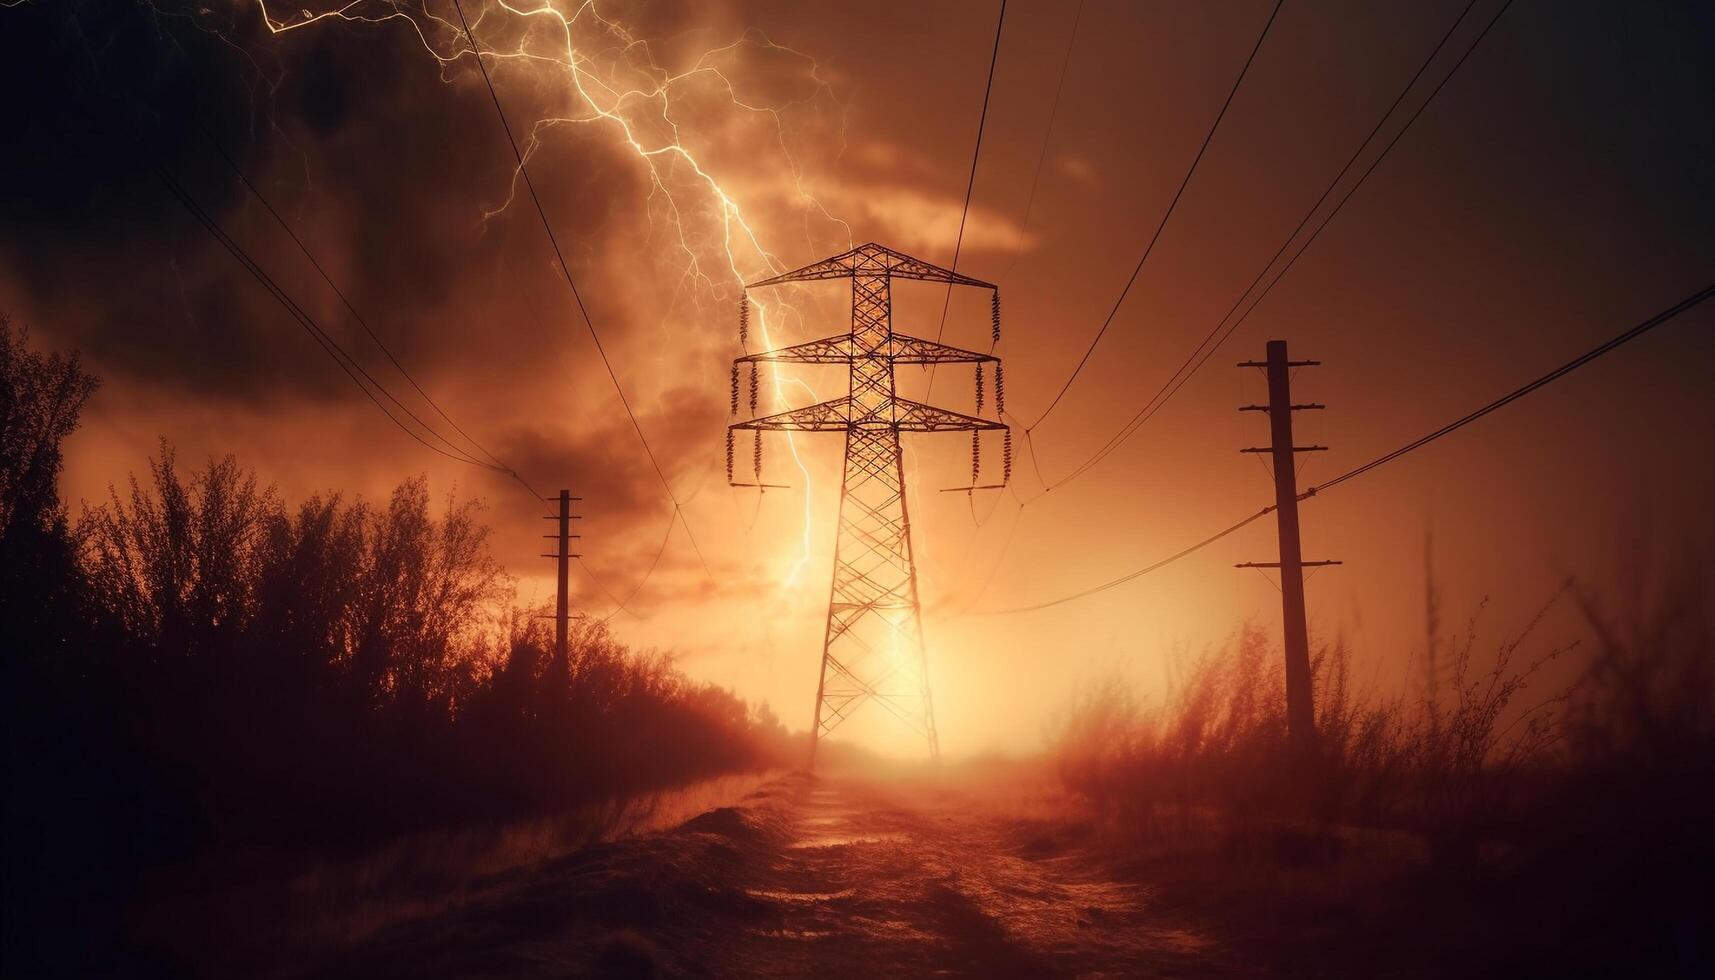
{"x": 807, "y": 876}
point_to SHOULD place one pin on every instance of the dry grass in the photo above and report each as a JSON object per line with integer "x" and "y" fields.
{"x": 1488, "y": 828}
{"x": 1214, "y": 754}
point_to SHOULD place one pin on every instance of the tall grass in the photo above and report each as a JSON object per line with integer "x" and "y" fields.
{"x": 1215, "y": 750}
{"x": 1485, "y": 755}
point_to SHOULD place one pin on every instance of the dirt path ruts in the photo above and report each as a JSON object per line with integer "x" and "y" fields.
{"x": 823, "y": 877}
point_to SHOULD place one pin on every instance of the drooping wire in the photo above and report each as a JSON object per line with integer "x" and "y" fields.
{"x": 1625, "y": 337}
{"x": 566, "y": 271}
{"x": 1139, "y": 573}
{"x": 345, "y": 300}
{"x": 970, "y": 184}
{"x": 622, "y": 604}
{"x": 1047, "y": 140}
{"x": 1165, "y": 217}
{"x": 1517, "y": 393}
{"x": 353, "y": 370}
{"x": 356, "y": 372}
{"x": 1176, "y": 381}
{"x": 1000, "y": 556}
{"x": 1203, "y": 351}
{"x": 347, "y": 363}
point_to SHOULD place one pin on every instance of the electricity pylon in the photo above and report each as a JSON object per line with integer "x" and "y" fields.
{"x": 872, "y": 649}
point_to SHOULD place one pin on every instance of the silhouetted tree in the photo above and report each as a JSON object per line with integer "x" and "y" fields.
{"x": 57, "y": 732}
{"x": 196, "y": 665}
{"x": 177, "y": 568}
{"x": 41, "y": 396}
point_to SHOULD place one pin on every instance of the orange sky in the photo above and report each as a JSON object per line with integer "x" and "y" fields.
{"x": 1554, "y": 194}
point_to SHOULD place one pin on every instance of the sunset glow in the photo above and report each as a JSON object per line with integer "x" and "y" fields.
{"x": 786, "y": 488}
{"x": 683, "y": 155}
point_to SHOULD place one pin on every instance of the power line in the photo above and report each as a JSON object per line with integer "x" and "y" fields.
{"x": 971, "y": 183}
{"x": 1139, "y": 573}
{"x": 353, "y": 370}
{"x": 352, "y": 309}
{"x": 1629, "y": 335}
{"x": 1047, "y": 139}
{"x": 1168, "y": 214}
{"x": 566, "y": 270}
{"x": 348, "y": 364}
{"x": 1517, "y": 393}
{"x": 1199, "y": 356}
{"x": 1042, "y": 155}
{"x": 620, "y": 605}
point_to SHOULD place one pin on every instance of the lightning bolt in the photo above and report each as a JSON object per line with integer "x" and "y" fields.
{"x": 616, "y": 83}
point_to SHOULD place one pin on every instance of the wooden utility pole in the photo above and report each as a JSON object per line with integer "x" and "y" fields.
{"x": 1300, "y": 712}
{"x": 563, "y": 556}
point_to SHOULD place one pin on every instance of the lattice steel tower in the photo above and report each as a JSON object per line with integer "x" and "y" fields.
{"x": 873, "y": 645}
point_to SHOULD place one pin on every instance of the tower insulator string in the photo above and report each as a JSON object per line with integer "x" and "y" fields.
{"x": 729, "y": 448}
{"x": 999, "y": 389}
{"x": 744, "y": 321}
{"x": 756, "y": 457}
{"x": 754, "y": 383}
{"x": 994, "y": 318}
{"x": 976, "y": 456}
{"x": 979, "y": 387}
{"x": 734, "y": 409}
{"x": 1006, "y": 458}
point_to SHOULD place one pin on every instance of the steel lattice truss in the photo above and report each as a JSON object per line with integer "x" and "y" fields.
{"x": 873, "y": 648}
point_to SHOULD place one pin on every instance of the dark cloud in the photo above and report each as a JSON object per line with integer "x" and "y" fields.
{"x": 384, "y": 168}
{"x": 1556, "y": 190}
{"x": 601, "y": 457}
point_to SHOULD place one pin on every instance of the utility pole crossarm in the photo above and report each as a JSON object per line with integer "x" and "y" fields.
{"x": 562, "y": 556}
{"x": 1300, "y": 702}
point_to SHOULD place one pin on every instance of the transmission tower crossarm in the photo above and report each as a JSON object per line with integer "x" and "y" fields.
{"x": 837, "y": 415}
{"x": 873, "y": 259}
{"x": 918, "y": 417}
{"x": 829, "y": 416}
{"x": 915, "y": 350}
{"x": 829, "y": 350}
{"x": 838, "y": 350}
